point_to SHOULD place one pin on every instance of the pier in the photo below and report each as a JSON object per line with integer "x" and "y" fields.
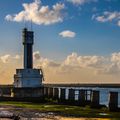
{"x": 64, "y": 95}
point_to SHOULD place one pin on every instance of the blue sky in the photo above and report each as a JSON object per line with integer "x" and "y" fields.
{"x": 92, "y": 37}
{"x": 75, "y": 40}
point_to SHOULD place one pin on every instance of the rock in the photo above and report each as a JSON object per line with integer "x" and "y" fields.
{"x": 7, "y": 114}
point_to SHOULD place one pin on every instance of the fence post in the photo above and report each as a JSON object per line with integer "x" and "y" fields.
{"x": 62, "y": 94}
{"x": 50, "y": 92}
{"x": 71, "y": 96}
{"x": 95, "y": 99}
{"x": 56, "y": 93}
{"x": 45, "y": 92}
{"x": 81, "y": 97}
{"x": 113, "y": 101}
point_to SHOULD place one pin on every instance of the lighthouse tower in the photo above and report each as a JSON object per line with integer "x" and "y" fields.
{"x": 28, "y": 41}
{"x": 28, "y": 76}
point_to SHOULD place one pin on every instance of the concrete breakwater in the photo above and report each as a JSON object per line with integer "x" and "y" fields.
{"x": 84, "y": 97}
{"x": 64, "y": 95}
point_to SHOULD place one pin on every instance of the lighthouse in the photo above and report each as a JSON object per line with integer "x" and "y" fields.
{"x": 28, "y": 77}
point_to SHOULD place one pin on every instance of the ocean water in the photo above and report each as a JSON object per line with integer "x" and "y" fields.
{"x": 104, "y": 93}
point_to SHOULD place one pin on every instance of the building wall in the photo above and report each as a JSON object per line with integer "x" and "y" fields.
{"x": 28, "y": 92}
{"x": 28, "y": 78}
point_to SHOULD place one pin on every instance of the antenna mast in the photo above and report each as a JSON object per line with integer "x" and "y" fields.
{"x": 25, "y": 24}
{"x": 31, "y": 25}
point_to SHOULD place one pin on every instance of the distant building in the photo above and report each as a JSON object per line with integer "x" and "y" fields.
{"x": 28, "y": 77}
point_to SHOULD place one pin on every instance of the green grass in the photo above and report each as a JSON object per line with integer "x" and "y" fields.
{"x": 65, "y": 109}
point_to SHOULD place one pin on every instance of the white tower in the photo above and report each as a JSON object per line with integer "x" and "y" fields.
{"x": 28, "y": 77}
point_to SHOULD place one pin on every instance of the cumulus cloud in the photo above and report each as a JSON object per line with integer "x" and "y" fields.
{"x": 115, "y": 57}
{"x": 38, "y": 14}
{"x": 98, "y": 64}
{"x": 108, "y": 17}
{"x": 84, "y": 61}
{"x": 70, "y": 64}
{"x": 5, "y": 58}
{"x": 81, "y": 2}
{"x": 17, "y": 57}
{"x": 46, "y": 63}
{"x": 67, "y": 34}
{"x": 74, "y": 66}
{"x": 36, "y": 55}
{"x": 114, "y": 65}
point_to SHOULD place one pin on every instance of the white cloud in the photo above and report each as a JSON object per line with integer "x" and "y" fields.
{"x": 114, "y": 65}
{"x": 67, "y": 34}
{"x": 98, "y": 64}
{"x": 38, "y": 14}
{"x": 119, "y": 23}
{"x": 8, "y": 58}
{"x": 108, "y": 17}
{"x": 84, "y": 61}
{"x": 74, "y": 68}
{"x": 72, "y": 63}
{"x": 17, "y": 57}
{"x": 115, "y": 57}
{"x": 36, "y": 55}
{"x": 81, "y": 2}
{"x": 5, "y": 58}
{"x": 46, "y": 63}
